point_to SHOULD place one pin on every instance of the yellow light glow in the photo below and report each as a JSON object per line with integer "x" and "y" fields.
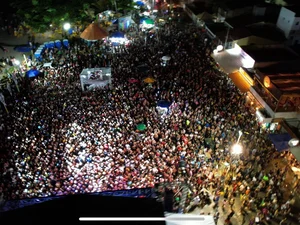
{"x": 267, "y": 82}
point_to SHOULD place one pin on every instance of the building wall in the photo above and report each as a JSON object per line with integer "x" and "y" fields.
{"x": 296, "y": 40}
{"x": 294, "y": 36}
{"x": 296, "y": 24}
{"x": 285, "y": 21}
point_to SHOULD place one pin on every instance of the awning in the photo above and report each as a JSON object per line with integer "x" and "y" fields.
{"x": 239, "y": 81}
{"x": 280, "y": 141}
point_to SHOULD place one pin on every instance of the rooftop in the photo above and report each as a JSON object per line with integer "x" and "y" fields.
{"x": 235, "y": 33}
{"x": 266, "y": 53}
{"x": 237, "y": 4}
{"x": 245, "y": 20}
{"x": 271, "y": 16}
{"x": 216, "y": 27}
{"x": 199, "y": 7}
{"x": 267, "y": 30}
{"x": 284, "y": 75}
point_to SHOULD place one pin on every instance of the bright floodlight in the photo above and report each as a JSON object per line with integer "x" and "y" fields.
{"x": 220, "y": 48}
{"x": 17, "y": 62}
{"x": 67, "y": 26}
{"x": 293, "y": 142}
{"x": 237, "y": 149}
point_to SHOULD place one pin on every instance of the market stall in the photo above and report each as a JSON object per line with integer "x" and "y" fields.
{"x": 118, "y": 37}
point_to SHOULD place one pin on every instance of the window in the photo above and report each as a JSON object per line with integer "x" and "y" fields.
{"x": 297, "y": 23}
{"x": 283, "y": 18}
{"x": 288, "y": 21}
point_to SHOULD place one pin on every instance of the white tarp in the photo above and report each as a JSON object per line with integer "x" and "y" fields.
{"x": 49, "y": 64}
{"x": 189, "y": 219}
{"x": 95, "y": 78}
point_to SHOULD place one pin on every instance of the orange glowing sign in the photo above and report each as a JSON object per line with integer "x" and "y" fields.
{"x": 267, "y": 82}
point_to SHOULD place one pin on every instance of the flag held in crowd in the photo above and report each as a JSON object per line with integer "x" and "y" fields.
{"x": 8, "y": 88}
{"x": 2, "y": 100}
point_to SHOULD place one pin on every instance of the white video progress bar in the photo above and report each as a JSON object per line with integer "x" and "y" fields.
{"x": 189, "y": 218}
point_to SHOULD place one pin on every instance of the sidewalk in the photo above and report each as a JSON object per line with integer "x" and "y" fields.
{"x": 10, "y": 41}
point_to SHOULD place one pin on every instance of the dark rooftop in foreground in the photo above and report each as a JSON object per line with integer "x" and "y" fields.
{"x": 266, "y": 53}
{"x": 68, "y": 209}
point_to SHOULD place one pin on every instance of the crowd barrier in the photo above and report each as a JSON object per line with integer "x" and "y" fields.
{"x": 50, "y": 45}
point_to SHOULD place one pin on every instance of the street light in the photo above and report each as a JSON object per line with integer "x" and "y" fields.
{"x": 67, "y": 26}
{"x": 237, "y": 147}
{"x": 236, "y": 150}
{"x": 240, "y": 134}
{"x": 227, "y": 34}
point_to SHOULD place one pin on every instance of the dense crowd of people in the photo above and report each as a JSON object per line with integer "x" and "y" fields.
{"x": 59, "y": 140}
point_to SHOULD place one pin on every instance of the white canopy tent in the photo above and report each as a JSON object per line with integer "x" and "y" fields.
{"x": 189, "y": 219}
{"x": 91, "y": 78}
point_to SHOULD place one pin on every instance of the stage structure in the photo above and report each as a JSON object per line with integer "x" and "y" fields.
{"x": 91, "y": 78}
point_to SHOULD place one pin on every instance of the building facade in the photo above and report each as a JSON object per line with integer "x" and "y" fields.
{"x": 289, "y": 22}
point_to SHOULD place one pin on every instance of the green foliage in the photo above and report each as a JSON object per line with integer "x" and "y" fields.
{"x": 35, "y": 2}
{"x": 39, "y": 14}
{"x": 125, "y": 5}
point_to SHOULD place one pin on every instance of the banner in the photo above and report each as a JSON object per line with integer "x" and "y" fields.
{"x": 14, "y": 77}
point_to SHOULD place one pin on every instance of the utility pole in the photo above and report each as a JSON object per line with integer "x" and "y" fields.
{"x": 226, "y": 38}
{"x": 115, "y": 3}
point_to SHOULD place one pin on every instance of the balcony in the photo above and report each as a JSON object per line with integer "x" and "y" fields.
{"x": 273, "y": 103}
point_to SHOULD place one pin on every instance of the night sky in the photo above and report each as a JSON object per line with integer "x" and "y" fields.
{"x": 5, "y": 7}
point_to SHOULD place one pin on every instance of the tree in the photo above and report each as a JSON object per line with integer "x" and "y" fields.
{"x": 125, "y": 5}
{"x": 40, "y": 14}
